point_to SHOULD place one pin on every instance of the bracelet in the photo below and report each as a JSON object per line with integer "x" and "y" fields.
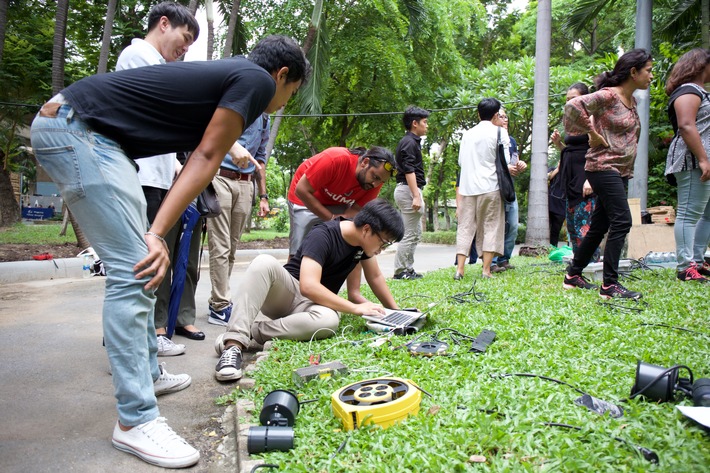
{"x": 153, "y": 234}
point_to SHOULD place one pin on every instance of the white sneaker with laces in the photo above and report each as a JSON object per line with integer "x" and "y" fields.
{"x": 167, "y": 347}
{"x": 170, "y": 383}
{"x": 156, "y": 443}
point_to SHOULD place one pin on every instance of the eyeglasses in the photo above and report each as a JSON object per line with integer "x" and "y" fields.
{"x": 502, "y": 117}
{"x": 385, "y": 243}
{"x": 389, "y": 167}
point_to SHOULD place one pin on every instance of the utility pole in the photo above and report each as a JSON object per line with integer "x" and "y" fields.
{"x": 638, "y": 186}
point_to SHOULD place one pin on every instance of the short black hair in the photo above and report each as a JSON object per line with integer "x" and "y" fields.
{"x": 382, "y": 218}
{"x": 277, "y": 51}
{"x": 378, "y": 155}
{"x": 581, "y": 87}
{"x": 413, "y": 113}
{"x": 488, "y": 107}
{"x": 177, "y": 14}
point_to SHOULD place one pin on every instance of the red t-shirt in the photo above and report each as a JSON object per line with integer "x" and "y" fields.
{"x": 332, "y": 175}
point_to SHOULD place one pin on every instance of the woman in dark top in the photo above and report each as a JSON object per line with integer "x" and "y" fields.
{"x": 580, "y": 198}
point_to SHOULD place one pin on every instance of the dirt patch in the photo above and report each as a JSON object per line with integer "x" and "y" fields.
{"x": 20, "y": 252}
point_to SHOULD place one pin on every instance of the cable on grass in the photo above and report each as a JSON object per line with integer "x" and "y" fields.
{"x": 464, "y": 297}
{"x": 263, "y": 465}
{"x": 640, "y": 305}
{"x": 646, "y": 453}
{"x": 342, "y": 446}
{"x": 675, "y": 328}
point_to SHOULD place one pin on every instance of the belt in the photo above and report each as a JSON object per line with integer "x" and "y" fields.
{"x": 234, "y": 175}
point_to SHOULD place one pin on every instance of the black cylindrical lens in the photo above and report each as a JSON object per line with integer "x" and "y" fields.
{"x": 267, "y": 439}
{"x": 701, "y": 392}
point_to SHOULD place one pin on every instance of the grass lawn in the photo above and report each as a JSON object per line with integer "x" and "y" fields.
{"x": 48, "y": 233}
{"x": 542, "y": 329}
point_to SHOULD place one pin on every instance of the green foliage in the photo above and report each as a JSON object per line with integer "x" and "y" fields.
{"x": 541, "y": 329}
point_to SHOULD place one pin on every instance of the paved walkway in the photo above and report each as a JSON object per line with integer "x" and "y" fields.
{"x": 57, "y": 409}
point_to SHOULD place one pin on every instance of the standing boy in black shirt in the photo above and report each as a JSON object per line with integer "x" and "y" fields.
{"x": 408, "y": 193}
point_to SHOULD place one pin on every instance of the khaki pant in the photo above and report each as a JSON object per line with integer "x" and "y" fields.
{"x": 412, "y": 219}
{"x": 481, "y": 216}
{"x": 269, "y": 288}
{"x": 224, "y": 231}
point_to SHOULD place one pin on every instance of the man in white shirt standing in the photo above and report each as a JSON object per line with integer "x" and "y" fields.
{"x": 479, "y": 203}
{"x": 171, "y": 31}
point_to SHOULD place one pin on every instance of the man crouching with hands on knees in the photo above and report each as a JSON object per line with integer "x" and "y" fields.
{"x": 301, "y": 298}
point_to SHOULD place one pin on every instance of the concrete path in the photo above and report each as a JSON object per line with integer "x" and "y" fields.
{"x": 57, "y": 408}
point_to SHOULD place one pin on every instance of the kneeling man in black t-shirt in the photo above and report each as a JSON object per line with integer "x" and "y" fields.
{"x": 301, "y": 298}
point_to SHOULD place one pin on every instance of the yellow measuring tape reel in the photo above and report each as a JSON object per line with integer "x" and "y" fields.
{"x": 379, "y": 401}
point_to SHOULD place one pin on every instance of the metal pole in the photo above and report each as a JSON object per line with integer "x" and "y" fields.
{"x": 638, "y": 186}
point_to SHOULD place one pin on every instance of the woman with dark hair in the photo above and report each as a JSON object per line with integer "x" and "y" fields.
{"x": 613, "y": 139}
{"x": 580, "y": 198}
{"x": 687, "y": 161}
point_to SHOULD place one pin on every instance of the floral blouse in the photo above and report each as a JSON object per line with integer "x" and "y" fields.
{"x": 617, "y": 123}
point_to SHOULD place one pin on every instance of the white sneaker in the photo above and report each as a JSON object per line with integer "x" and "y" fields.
{"x": 156, "y": 443}
{"x": 170, "y": 383}
{"x": 167, "y": 347}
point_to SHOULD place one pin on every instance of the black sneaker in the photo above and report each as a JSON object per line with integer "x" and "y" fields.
{"x": 617, "y": 290}
{"x": 229, "y": 367}
{"x": 579, "y": 281}
{"x": 414, "y": 275}
{"x": 407, "y": 274}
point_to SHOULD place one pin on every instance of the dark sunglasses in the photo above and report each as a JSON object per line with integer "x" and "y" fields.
{"x": 386, "y": 164}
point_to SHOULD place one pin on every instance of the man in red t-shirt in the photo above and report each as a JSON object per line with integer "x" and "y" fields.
{"x": 335, "y": 183}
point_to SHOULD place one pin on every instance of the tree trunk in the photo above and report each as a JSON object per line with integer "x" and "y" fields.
{"x": 705, "y": 23}
{"x": 60, "y": 32}
{"x": 538, "y": 227}
{"x": 192, "y": 6}
{"x": 9, "y": 207}
{"x": 209, "y": 10}
{"x": 106, "y": 39}
{"x": 231, "y": 26}
{"x": 3, "y": 23}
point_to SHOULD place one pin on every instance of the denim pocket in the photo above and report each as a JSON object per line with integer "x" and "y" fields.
{"x": 62, "y": 165}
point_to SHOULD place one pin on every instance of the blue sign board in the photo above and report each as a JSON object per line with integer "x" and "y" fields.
{"x": 37, "y": 213}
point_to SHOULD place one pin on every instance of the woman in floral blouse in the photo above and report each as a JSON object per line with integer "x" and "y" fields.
{"x": 613, "y": 138}
{"x": 687, "y": 162}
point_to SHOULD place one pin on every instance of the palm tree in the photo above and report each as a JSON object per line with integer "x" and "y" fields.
{"x": 60, "y": 32}
{"x": 106, "y": 39}
{"x": 3, "y": 22}
{"x": 538, "y": 229}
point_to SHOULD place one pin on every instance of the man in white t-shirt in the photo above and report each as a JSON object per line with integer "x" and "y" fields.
{"x": 171, "y": 31}
{"x": 479, "y": 203}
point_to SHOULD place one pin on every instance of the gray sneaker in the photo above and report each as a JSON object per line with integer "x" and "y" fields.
{"x": 156, "y": 443}
{"x": 170, "y": 383}
{"x": 167, "y": 347}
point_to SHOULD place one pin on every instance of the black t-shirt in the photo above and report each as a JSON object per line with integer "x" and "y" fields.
{"x": 166, "y": 108}
{"x": 325, "y": 244}
{"x": 682, "y": 90}
{"x": 409, "y": 159}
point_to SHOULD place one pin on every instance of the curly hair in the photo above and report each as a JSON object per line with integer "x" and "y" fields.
{"x": 688, "y": 68}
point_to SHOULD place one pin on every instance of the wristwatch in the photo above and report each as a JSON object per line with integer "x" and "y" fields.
{"x": 264, "y": 196}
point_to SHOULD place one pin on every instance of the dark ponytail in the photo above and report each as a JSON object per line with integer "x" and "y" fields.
{"x": 634, "y": 59}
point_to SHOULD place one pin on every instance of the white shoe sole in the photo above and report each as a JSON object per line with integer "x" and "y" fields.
{"x": 214, "y": 321}
{"x": 228, "y": 377}
{"x": 180, "y": 462}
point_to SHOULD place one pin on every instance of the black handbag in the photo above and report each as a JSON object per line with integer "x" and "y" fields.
{"x": 207, "y": 203}
{"x": 505, "y": 180}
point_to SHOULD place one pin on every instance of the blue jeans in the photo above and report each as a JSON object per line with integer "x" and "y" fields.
{"x": 100, "y": 185}
{"x": 511, "y": 232}
{"x": 692, "y": 222}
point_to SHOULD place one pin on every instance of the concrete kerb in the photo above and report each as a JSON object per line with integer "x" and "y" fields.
{"x": 25, "y": 271}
